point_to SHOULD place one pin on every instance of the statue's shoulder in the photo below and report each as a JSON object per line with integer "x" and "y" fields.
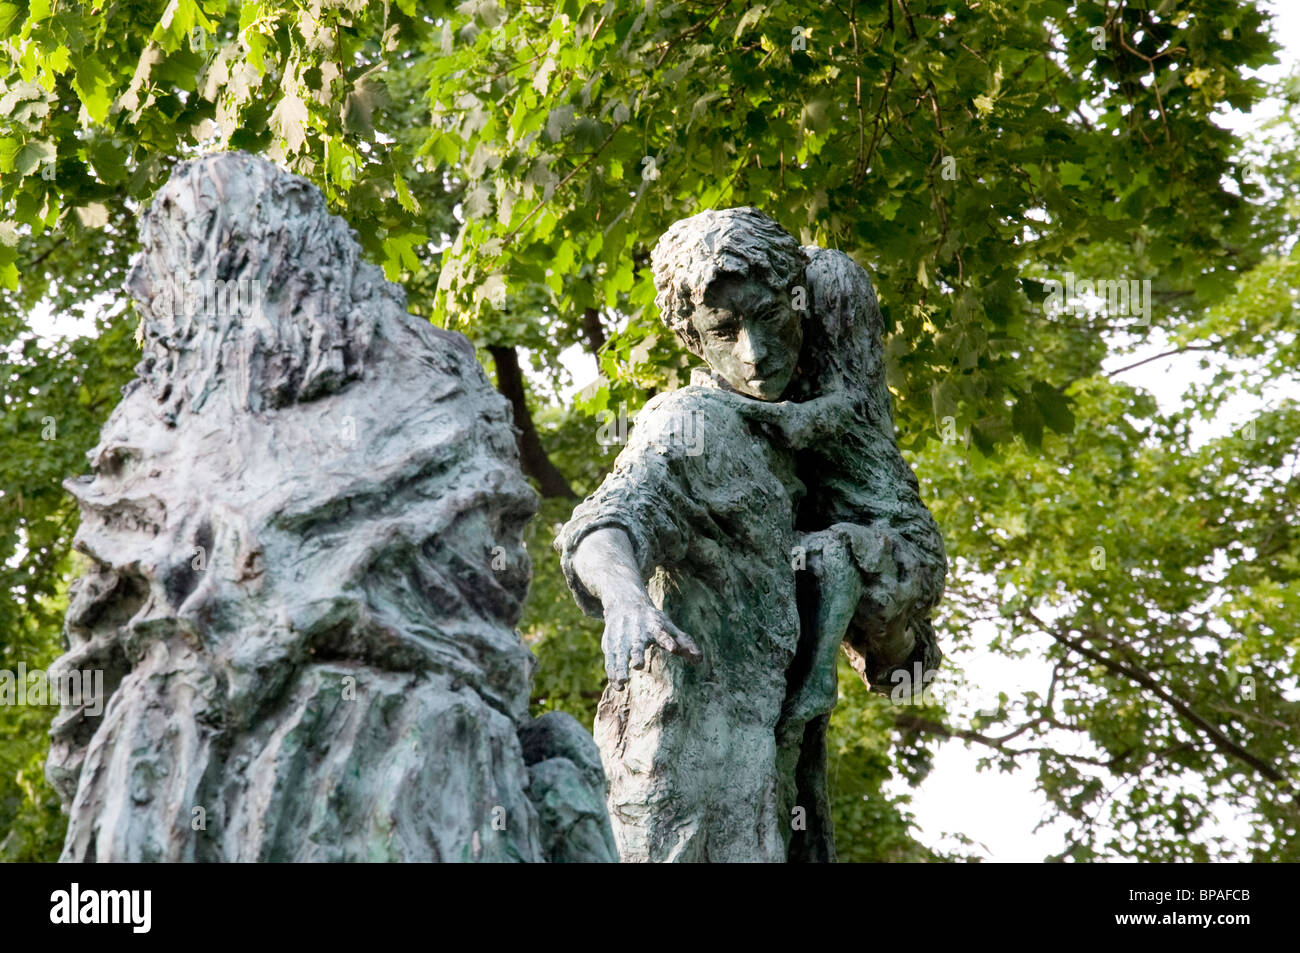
{"x": 670, "y": 401}
{"x": 694, "y": 399}
{"x": 676, "y": 422}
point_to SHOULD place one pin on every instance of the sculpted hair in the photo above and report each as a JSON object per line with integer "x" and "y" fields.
{"x": 733, "y": 242}
{"x": 242, "y": 269}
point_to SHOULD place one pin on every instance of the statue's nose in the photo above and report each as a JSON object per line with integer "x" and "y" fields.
{"x": 748, "y": 348}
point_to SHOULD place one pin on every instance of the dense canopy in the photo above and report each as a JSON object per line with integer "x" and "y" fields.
{"x": 511, "y": 165}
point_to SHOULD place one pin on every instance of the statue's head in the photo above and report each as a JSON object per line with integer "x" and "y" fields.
{"x": 730, "y": 286}
{"x": 242, "y": 267}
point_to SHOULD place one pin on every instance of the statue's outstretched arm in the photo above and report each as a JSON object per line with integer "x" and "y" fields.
{"x": 606, "y": 565}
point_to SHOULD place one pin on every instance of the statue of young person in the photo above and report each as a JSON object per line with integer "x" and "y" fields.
{"x": 727, "y": 574}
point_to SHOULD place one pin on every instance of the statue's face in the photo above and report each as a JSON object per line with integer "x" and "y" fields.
{"x": 750, "y": 335}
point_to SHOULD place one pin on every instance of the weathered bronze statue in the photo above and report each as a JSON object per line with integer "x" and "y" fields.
{"x": 757, "y": 519}
{"x": 304, "y": 537}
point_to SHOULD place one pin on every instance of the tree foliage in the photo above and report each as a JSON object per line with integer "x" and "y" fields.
{"x": 511, "y": 164}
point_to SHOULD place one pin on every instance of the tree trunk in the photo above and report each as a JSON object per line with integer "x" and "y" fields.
{"x": 592, "y": 330}
{"x": 532, "y": 456}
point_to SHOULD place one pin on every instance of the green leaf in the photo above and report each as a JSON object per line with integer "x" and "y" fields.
{"x": 289, "y": 121}
{"x": 9, "y": 14}
{"x": 1071, "y": 173}
{"x": 94, "y": 85}
{"x": 404, "y": 194}
{"x": 1054, "y": 407}
{"x": 107, "y": 160}
{"x": 34, "y": 155}
{"x": 9, "y": 149}
{"x": 1027, "y": 421}
{"x": 588, "y": 135}
{"x": 751, "y": 17}
{"x": 399, "y": 251}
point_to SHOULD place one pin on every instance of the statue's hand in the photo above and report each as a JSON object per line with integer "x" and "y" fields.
{"x": 801, "y": 424}
{"x": 826, "y": 418}
{"x": 631, "y": 627}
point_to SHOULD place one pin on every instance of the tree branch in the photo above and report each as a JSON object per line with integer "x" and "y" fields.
{"x": 1220, "y": 740}
{"x": 1148, "y": 360}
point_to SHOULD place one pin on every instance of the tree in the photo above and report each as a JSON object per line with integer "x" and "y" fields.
{"x": 512, "y": 164}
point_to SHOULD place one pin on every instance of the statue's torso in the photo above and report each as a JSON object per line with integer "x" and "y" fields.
{"x": 691, "y": 749}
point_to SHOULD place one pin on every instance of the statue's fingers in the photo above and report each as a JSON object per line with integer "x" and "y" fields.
{"x": 638, "y": 654}
{"x": 616, "y": 656}
{"x": 685, "y": 645}
{"x": 665, "y": 641}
